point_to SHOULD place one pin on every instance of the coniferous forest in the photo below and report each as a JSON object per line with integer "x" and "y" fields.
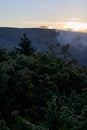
{"x": 42, "y": 90}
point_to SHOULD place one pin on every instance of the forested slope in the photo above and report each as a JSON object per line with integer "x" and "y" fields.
{"x": 41, "y": 91}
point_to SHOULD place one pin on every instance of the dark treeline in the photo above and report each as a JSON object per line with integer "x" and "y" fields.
{"x": 42, "y": 90}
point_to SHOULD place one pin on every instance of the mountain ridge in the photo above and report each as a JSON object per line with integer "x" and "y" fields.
{"x": 10, "y": 38}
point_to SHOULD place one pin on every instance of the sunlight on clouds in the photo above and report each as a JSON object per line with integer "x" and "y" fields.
{"x": 75, "y": 26}
{"x": 70, "y": 25}
{"x": 49, "y": 24}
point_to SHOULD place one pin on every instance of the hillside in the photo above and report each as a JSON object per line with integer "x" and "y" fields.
{"x": 39, "y": 91}
{"x": 10, "y": 37}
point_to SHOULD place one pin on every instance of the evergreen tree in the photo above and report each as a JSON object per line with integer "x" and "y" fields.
{"x": 4, "y": 55}
{"x": 25, "y": 46}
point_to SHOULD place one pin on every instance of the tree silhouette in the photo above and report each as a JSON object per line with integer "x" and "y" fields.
{"x": 25, "y": 46}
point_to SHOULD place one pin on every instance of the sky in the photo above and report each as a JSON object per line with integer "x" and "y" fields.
{"x": 35, "y": 13}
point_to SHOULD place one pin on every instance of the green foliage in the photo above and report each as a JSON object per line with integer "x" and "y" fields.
{"x": 22, "y": 124}
{"x": 3, "y": 125}
{"x": 43, "y": 91}
{"x": 25, "y": 46}
{"x": 65, "y": 51}
{"x": 3, "y": 55}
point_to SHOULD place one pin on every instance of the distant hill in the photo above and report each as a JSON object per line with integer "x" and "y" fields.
{"x": 10, "y": 37}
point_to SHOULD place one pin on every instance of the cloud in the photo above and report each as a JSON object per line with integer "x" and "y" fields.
{"x": 53, "y": 24}
{"x": 46, "y": 6}
{"x": 43, "y": 6}
{"x": 26, "y": 23}
{"x": 74, "y": 19}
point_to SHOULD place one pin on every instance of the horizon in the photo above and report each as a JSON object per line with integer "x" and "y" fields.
{"x": 57, "y": 30}
{"x": 61, "y": 14}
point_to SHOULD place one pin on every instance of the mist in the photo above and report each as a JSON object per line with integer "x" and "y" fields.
{"x": 77, "y": 42}
{"x": 10, "y": 38}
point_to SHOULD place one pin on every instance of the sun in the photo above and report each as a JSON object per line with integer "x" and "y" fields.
{"x": 75, "y": 26}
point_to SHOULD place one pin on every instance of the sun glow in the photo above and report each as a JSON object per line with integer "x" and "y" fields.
{"x": 75, "y": 26}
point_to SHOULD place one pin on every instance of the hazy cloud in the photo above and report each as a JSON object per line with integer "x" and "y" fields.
{"x": 43, "y": 6}
{"x": 74, "y": 19}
